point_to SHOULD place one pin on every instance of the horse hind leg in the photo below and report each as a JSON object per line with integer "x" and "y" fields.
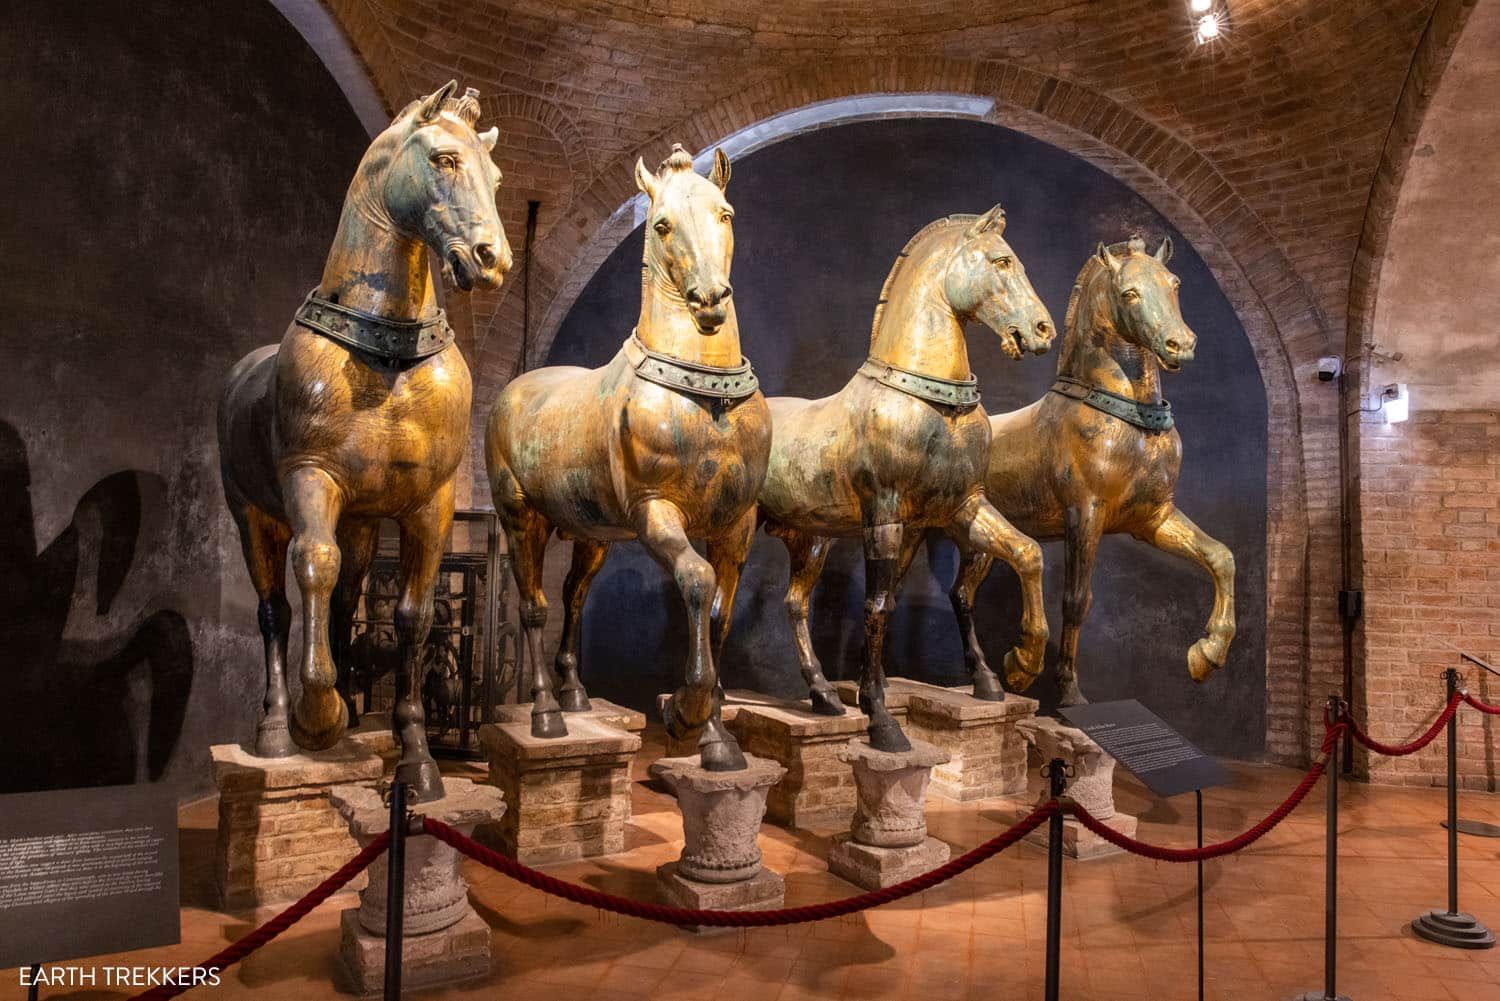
{"x": 1177, "y": 534}
{"x": 526, "y": 533}
{"x": 1081, "y": 533}
{"x": 588, "y": 557}
{"x": 973, "y": 568}
{"x": 984, "y": 530}
{"x": 264, "y": 541}
{"x": 808, "y": 554}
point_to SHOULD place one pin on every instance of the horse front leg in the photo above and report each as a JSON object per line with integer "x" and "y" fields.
{"x": 424, "y": 536}
{"x": 693, "y": 707}
{"x": 1082, "y": 529}
{"x": 984, "y": 530}
{"x": 526, "y": 533}
{"x": 807, "y": 554}
{"x": 357, "y": 540}
{"x": 974, "y": 566}
{"x": 1177, "y": 534}
{"x": 588, "y": 557}
{"x": 883, "y": 550}
{"x": 313, "y": 503}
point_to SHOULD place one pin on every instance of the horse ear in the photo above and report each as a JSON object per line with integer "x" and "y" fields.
{"x": 644, "y": 179}
{"x": 1107, "y": 259}
{"x": 993, "y": 219}
{"x": 720, "y": 174}
{"x": 1164, "y": 252}
{"x": 489, "y": 138}
{"x": 432, "y": 105}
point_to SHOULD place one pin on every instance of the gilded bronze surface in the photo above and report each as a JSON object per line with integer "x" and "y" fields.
{"x": 607, "y": 454}
{"x": 884, "y": 459}
{"x": 1063, "y": 469}
{"x": 318, "y": 440}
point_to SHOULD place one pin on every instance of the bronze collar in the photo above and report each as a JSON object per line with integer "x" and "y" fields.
{"x": 690, "y": 377}
{"x": 396, "y": 340}
{"x": 1153, "y": 417}
{"x": 949, "y": 392}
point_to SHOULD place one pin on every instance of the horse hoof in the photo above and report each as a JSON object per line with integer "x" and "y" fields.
{"x": 548, "y": 723}
{"x": 1200, "y": 664}
{"x": 1072, "y": 696}
{"x": 423, "y": 778}
{"x": 825, "y": 702}
{"x": 886, "y": 735}
{"x": 273, "y": 739}
{"x": 987, "y": 686}
{"x": 330, "y": 719}
{"x": 574, "y": 700}
{"x": 718, "y": 751}
{"x": 1019, "y": 673}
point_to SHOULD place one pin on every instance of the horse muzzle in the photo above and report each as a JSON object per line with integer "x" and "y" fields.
{"x": 709, "y": 305}
{"x": 480, "y": 265}
{"x": 1174, "y": 352}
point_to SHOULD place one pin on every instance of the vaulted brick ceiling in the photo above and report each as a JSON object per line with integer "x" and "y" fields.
{"x": 1292, "y": 109}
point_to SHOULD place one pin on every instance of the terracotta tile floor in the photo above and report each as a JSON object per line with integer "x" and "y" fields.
{"x": 1128, "y": 923}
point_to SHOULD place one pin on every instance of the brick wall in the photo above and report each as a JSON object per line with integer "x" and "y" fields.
{"x": 1430, "y": 502}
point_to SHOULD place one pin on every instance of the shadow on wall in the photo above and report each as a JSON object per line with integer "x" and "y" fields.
{"x": 75, "y": 678}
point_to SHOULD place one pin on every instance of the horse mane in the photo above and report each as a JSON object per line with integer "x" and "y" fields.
{"x": 1125, "y": 248}
{"x": 901, "y": 258}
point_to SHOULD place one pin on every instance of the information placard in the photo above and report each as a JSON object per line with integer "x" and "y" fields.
{"x": 1146, "y": 745}
{"x": 87, "y": 871}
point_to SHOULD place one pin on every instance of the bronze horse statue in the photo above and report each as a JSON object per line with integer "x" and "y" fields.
{"x": 361, "y": 413}
{"x": 903, "y": 448}
{"x": 1099, "y": 454}
{"x": 666, "y": 443}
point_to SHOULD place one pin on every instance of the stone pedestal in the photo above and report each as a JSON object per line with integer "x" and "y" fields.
{"x": 688, "y": 746}
{"x": 279, "y": 835}
{"x": 818, "y": 790}
{"x": 444, "y": 941}
{"x": 888, "y": 842}
{"x": 1091, "y": 786}
{"x": 986, "y": 753}
{"x": 374, "y": 734}
{"x": 720, "y": 865}
{"x": 602, "y": 711}
{"x": 567, "y": 798}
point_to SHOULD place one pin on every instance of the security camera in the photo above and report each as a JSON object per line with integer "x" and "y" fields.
{"x": 1329, "y": 367}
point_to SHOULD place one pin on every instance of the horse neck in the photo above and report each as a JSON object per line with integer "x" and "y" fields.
{"x": 666, "y": 327}
{"x": 918, "y": 329}
{"x": 1094, "y": 352}
{"x": 372, "y": 266}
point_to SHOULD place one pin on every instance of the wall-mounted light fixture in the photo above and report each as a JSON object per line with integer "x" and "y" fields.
{"x": 1210, "y": 19}
{"x": 1395, "y": 401}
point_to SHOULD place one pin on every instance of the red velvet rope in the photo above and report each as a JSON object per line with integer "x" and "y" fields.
{"x": 1483, "y": 707}
{"x": 738, "y": 919}
{"x": 1242, "y": 841}
{"x": 1400, "y": 750}
{"x": 280, "y": 923}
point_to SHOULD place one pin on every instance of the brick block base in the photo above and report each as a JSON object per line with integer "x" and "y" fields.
{"x": 279, "y": 836}
{"x": 818, "y": 789}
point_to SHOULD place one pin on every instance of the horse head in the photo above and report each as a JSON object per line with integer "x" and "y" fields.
{"x": 1143, "y": 301}
{"x": 690, "y": 235}
{"x": 438, "y": 185}
{"x": 985, "y": 280}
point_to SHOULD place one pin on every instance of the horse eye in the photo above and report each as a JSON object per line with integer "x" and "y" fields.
{"x": 1003, "y": 262}
{"x": 725, "y": 216}
{"x": 1131, "y": 295}
{"x": 662, "y": 227}
{"x": 447, "y": 161}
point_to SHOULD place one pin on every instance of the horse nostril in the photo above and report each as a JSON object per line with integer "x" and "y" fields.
{"x": 726, "y": 292}
{"x": 1173, "y": 347}
{"x": 485, "y": 254}
{"x": 1044, "y": 328}
{"x": 694, "y": 297}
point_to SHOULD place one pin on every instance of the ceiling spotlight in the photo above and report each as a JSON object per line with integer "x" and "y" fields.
{"x": 1209, "y": 27}
{"x": 1200, "y": 6}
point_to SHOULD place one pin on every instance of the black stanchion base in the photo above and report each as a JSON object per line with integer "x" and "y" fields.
{"x": 1320, "y": 996}
{"x": 1477, "y": 828}
{"x": 1461, "y": 931}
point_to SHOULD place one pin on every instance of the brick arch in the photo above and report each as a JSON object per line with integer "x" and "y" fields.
{"x": 1279, "y": 313}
